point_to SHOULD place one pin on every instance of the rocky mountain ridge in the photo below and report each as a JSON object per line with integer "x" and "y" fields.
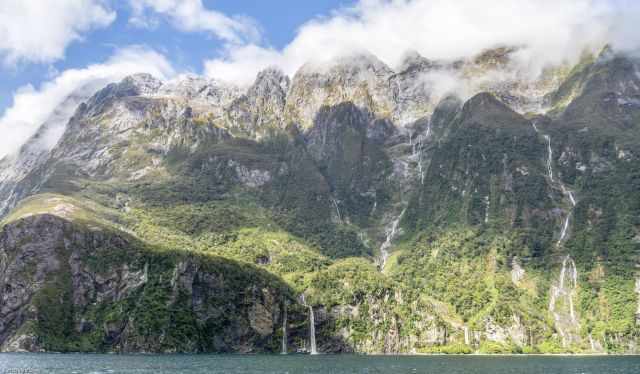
{"x": 410, "y": 219}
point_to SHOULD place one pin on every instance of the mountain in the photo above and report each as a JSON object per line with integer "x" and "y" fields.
{"x": 437, "y": 207}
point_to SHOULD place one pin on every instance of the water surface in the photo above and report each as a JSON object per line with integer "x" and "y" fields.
{"x": 325, "y": 364}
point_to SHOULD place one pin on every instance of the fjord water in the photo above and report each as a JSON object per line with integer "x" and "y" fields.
{"x": 321, "y": 364}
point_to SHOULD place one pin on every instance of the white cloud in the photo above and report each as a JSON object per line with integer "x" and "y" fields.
{"x": 32, "y": 106}
{"x": 40, "y": 31}
{"x": 191, "y": 15}
{"x": 552, "y": 31}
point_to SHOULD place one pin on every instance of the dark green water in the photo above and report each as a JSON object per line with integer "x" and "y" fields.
{"x": 325, "y": 364}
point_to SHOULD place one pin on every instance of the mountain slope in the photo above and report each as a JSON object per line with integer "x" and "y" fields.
{"x": 187, "y": 215}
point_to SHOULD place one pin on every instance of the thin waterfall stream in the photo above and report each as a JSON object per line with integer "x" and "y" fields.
{"x": 312, "y": 328}
{"x": 284, "y": 330}
{"x": 566, "y": 325}
{"x": 391, "y": 233}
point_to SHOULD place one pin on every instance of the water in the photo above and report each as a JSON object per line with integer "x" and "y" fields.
{"x": 312, "y": 331}
{"x": 568, "y": 328}
{"x": 322, "y": 364}
{"x": 284, "y": 331}
{"x": 312, "y": 327}
{"x": 392, "y": 231}
{"x": 549, "y": 157}
{"x": 335, "y": 205}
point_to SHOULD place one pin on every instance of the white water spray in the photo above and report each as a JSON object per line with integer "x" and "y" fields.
{"x": 467, "y": 336}
{"x": 566, "y": 287}
{"x": 312, "y": 328}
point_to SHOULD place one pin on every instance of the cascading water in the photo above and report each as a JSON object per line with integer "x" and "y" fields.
{"x": 467, "y": 336}
{"x": 335, "y": 205}
{"x": 391, "y": 233}
{"x": 565, "y": 289}
{"x": 565, "y": 321}
{"x": 638, "y": 292}
{"x": 487, "y": 204}
{"x": 549, "y": 157}
{"x": 565, "y": 226}
{"x": 312, "y": 328}
{"x": 284, "y": 330}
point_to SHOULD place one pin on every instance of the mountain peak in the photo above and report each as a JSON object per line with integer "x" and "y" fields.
{"x": 495, "y": 57}
{"x": 272, "y": 76}
{"x": 413, "y": 61}
{"x": 485, "y": 109}
{"x": 348, "y": 63}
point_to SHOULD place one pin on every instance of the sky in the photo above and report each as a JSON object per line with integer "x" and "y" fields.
{"x": 51, "y": 48}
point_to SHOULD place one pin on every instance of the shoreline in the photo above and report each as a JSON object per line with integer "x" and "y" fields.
{"x": 336, "y": 354}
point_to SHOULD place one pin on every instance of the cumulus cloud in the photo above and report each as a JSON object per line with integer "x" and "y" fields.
{"x": 49, "y": 102}
{"x": 40, "y": 31}
{"x": 549, "y": 32}
{"x": 191, "y": 15}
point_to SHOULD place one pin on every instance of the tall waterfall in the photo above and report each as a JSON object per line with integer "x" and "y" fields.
{"x": 284, "y": 330}
{"x": 565, "y": 320}
{"x": 312, "y": 331}
{"x": 312, "y": 328}
{"x": 391, "y": 233}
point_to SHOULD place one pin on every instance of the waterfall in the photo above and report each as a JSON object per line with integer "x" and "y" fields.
{"x": 517, "y": 272}
{"x": 391, "y": 233}
{"x": 312, "y": 331}
{"x": 638, "y": 292}
{"x": 487, "y": 204}
{"x": 567, "y": 283}
{"x": 467, "y": 336}
{"x": 565, "y": 321}
{"x": 568, "y": 193}
{"x": 312, "y": 328}
{"x": 549, "y": 157}
{"x": 565, "y": 226}
{"x": 592, "y": 343}
{"x": 335, "y": 205}
{"x": 284, "y": 330}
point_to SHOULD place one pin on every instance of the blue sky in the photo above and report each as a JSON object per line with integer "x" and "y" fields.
{"x": 50, "y": 52}
{"x": 278, "y": 21}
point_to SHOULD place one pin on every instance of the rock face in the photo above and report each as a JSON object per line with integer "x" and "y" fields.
{"x": 440, "y": 206}
{"x": 261, "y": 108}
{"x": 361, "y": 79}
{"x": 60, "y": 279}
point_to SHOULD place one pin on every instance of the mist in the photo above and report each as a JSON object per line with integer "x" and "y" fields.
{"x": 33, "y": 106}
{"x": 548, "y": 32}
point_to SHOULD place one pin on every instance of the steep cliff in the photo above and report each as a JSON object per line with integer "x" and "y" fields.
{"x": 497, "y": 215}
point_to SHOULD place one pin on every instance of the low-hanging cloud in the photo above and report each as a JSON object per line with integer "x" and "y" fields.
{"x": 32, "y": 106}
{"x": 40, "y": 31}
{"x": 548, "y": 32}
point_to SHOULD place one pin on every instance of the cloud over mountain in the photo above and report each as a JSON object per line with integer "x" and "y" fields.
{"x": 32, "y": 106}
{"x": 550, "y": 32}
